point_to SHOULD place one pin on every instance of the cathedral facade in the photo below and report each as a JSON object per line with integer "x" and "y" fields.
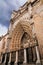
{"x": 23, "y": 44}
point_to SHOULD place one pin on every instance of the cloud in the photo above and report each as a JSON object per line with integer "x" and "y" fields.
{"x": 6, "y": 7}
{"x": 3, "y": 30}
{"x": 4, "y": 12}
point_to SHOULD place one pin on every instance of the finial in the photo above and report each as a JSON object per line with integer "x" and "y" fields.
{"x": 31, "y": 1}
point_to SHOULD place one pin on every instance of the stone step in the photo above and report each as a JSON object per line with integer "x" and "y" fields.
{"x": 28, "y": 64}
{"x": 20, "y": 64}
{"x": 2, "y": 64}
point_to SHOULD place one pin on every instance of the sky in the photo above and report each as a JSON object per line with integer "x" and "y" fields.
{"x": 6, "y": 8}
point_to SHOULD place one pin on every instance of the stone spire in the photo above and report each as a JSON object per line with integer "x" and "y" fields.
{"x": 31, "y": 1}
{"x": 28, "y": 1}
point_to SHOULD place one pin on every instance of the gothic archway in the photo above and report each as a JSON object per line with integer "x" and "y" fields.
{"x": 21, "y": 37}
{"x": 20, "y": 29}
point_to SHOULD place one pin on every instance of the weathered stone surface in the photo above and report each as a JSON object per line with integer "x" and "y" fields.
{"x": 25, "y": 31}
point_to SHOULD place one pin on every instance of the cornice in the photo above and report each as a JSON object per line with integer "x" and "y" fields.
{"x": 22, "y": 9}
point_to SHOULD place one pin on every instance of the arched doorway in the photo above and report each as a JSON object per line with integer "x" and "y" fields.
{"x": 26, "y": 43}
{"x": 31, "y": 52}
{"x": 21, "y": 37}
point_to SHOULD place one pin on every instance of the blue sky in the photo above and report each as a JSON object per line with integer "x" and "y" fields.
{"x": 6, "y": 7}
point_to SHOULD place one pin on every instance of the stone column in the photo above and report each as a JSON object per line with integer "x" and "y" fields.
{"x": 10, "y": 58}
{"x": 25, "y": 56}
{"x": 5, "y": 58}
{"x": 16, "y": 57}
{"x": 38, "y": 56}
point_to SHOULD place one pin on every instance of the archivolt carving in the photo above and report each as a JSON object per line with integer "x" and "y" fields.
{"x": 22, "y": 28}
